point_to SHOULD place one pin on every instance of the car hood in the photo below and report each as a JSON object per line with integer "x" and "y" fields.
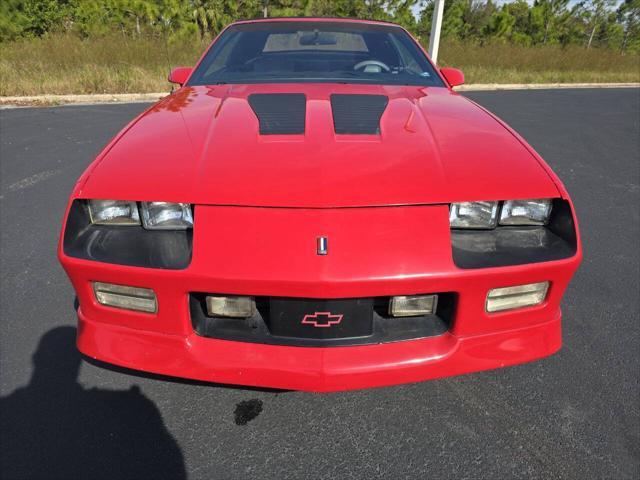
{"x": 203, "y": 145}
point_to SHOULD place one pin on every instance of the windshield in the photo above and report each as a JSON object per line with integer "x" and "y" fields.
{"x": 338, "y": 52}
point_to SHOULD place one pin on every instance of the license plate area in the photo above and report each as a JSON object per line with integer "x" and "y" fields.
{"x": 320, "y": 319}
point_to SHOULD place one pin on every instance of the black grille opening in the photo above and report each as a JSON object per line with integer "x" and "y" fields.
{"x": 280, "y": 113}
{"x": 358, "y": 114}
{"x": 280, "y": 321}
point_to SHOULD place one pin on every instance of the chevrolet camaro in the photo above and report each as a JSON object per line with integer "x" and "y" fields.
{"x": 315, "y": 208}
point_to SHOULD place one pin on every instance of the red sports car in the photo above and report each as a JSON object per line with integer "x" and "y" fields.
{"x": 315, "y": 208}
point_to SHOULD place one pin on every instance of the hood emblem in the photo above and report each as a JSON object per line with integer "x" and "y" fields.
{"x": 322, "y": 245}
{"x": 322, "y": 319}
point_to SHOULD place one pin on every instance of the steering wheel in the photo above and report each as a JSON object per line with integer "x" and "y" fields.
{"x": 372, "y": 63}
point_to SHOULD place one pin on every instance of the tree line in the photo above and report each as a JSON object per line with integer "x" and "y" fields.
{"x": 613, "y": 24}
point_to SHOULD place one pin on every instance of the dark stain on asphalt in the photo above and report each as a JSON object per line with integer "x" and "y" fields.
{"x": 247, "y": 410}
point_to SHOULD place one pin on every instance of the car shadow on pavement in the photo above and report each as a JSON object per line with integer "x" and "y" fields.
{"x": 56, "y": 428}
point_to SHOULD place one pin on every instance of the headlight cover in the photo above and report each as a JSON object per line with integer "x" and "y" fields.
{"x": 473, "y": 215}
{"x": 114, "y": 212}
{"x": 166, "y": 216}
{"x": 130, "y": 245}
{"x": 525, "y": 212}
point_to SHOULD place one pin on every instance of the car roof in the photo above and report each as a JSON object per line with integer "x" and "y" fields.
{"x": 315, "y": 19}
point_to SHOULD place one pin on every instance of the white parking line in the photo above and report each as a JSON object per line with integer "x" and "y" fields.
{"x": 32, "y": 180}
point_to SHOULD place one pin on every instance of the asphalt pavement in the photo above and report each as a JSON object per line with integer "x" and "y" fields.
{"x": 573, "y": 415}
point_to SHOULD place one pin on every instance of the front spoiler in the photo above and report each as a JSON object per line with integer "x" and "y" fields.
{"x": 315, "y": 369}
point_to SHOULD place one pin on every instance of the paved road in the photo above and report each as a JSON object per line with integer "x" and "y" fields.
{"x": 574, "y": 415}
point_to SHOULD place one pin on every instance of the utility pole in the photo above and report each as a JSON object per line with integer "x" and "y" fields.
{"x": 436, "y": 25}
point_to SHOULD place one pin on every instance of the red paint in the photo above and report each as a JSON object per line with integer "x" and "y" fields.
{"x": 201, "y": 145}
{"x": 435, "y": 147}
{"x": 180, "y": 75}
{"x": 315, "y": 369}
{"x": 453, "y": 76}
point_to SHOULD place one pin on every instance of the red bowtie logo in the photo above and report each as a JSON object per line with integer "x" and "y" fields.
{"x": 322, "y": 319}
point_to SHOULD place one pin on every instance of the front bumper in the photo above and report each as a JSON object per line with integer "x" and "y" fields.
{"x": 271, "y": 252}
{"x": 312, "y": 368}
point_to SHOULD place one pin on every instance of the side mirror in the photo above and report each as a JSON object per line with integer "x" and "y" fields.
{"x": 454, "y": 76}
{"x": 179, "y": 75}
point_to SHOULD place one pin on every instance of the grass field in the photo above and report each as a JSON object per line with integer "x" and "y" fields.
{"x": 66, "y": 64}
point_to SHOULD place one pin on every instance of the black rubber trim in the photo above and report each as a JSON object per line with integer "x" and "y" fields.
{"x": 258, "y": 328}
{"x": 280, "y": 113}
{"x": 358, "y": 114}
{"x": 125, "y": 245}
{"x": 508, "y": 245}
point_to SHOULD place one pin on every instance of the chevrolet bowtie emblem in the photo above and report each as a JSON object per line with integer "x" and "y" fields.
{"x": 322, "y": 319}
{"x": 322, "y": 245}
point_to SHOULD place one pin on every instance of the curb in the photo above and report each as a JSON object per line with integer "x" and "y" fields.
{"x": 96, "y": 99}
{"x": 478, "y": 87}
{"x": 91, "y": 99}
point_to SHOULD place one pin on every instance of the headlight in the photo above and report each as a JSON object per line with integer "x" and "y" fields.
{"x": 166, "y": 216}
{"x": 525, "y": 212}
{"x": 155, "y": 215}
{"x": 113, "y": 212}
{"x": 473, "y": 215}
{"x": 512, "y": 212}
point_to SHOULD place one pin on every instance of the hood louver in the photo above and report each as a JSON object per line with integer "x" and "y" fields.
{"x": 358, "y": 114}
{"x": 279, "y": 113}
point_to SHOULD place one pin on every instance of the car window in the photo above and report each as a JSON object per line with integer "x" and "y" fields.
{"x": 407, "y": 59}
{"x": 343, "y": 52}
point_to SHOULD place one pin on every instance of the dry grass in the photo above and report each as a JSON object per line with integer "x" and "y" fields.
{"x": 503, "y": 63}
{"x": 67, "y": 64}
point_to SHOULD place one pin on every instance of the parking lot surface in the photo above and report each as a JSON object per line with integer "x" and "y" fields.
{"x": 574, "y": 415}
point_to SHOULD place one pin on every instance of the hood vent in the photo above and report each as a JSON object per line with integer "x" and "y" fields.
{"x": 279, "y": 113}
{"x": 358, "y": 114}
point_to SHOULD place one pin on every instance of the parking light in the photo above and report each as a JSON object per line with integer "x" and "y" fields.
{"x": 125, "y": 297}
{"x": 519, "y": 296}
